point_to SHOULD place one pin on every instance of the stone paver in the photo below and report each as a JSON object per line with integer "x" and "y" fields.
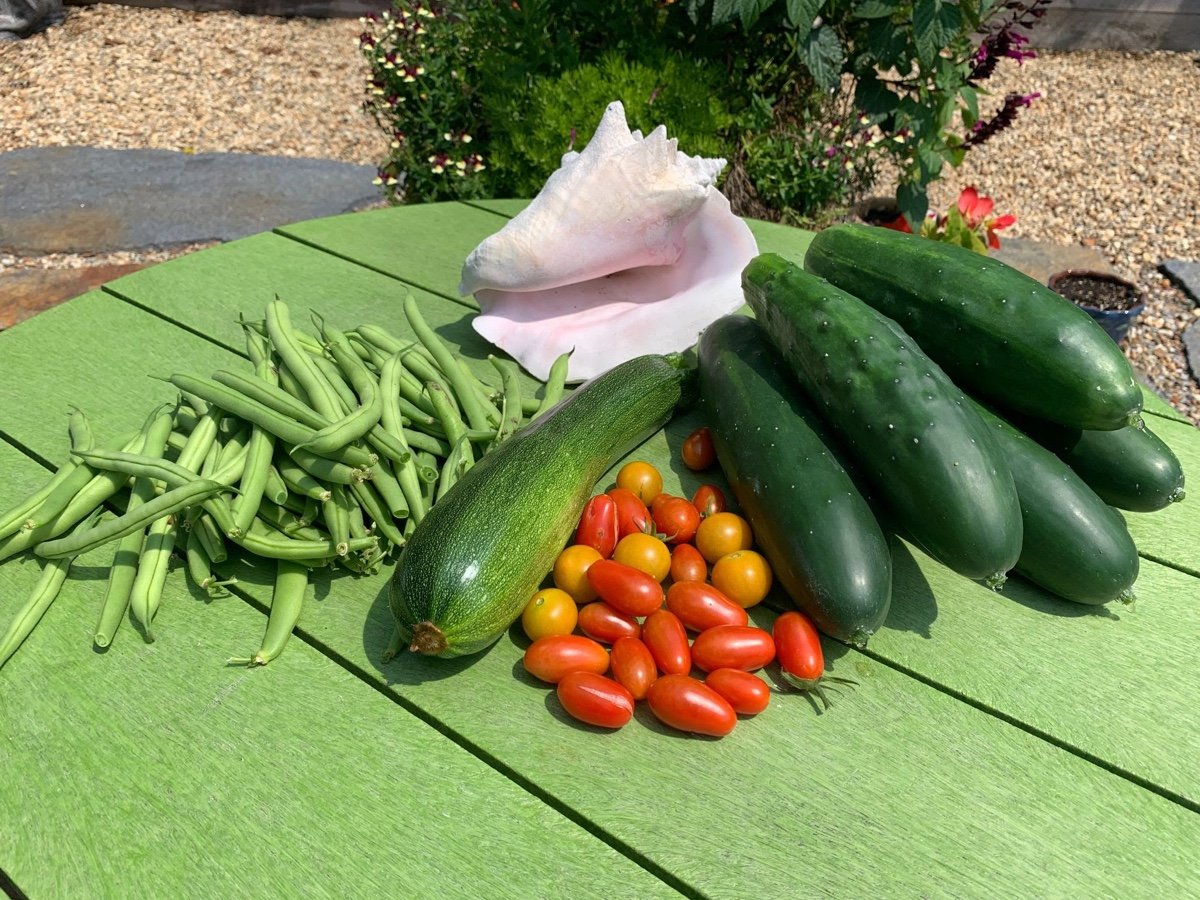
{"x": 1185, "y": 274}
{"x": 25, "y": 293}
{"x": 1041, "y": 259}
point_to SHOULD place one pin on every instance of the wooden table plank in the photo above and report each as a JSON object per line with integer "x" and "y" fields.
{"x": 156, "y": 770}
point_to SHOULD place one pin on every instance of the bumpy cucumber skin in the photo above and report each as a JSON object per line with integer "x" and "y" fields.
{"x": 1130, "y": 468}
{"x": 477, "y": 557}
{"x": 823, "y": 542}
{"x": 997, "y": 332}
{"x": 907, "y": 428}
{"x": 1075, "y": 545}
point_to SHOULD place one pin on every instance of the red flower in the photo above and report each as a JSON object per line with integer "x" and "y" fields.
{"x": 994, "y": 225}
{"x": 974, "y": 208}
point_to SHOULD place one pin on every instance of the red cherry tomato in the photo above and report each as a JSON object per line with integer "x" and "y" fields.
{"x": 798, "y": 647}
{"x": 746, "y": 692}
{"x": 675, "y": 517}
{"x": 624, "y": 588}
{"x": 667, "y": 639}
{"x": 688, "y": 564}
{"x": 633, "y": 666}
{"x": 601, "y": 622}
{"x": 701, "y": 606}
{"x": 733, "y": 647}
{"x": 698, "y": 452}
{"x": 595, "y": 699}
{"x": 682, "y": 702}
{"x": 551, "y": 657}
{"x": 598, "y": 525}
{"x": 632, "y": 514}
{"x": 709, "y": 500}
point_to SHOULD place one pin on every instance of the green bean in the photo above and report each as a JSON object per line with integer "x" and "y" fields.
{"x": 200, "y": 441}
{"x": 299, "y": 481}
{"x": 358, "y": 522}
{"x": 312, "y": 509}
{"x": 231, "y": 463}
{"x": 472, "y": 407}
{"x": 199, "y": 564}
{"x": 79, "y": 430}
{"x": 260, "y": 449}
{"x": 289, "y": 523}
{"x": 388, "y": 487}
{"x": 209, "y": 534}
{"x": 145, "y": 596}
{"x": 54, "y": 575}
{"x": 512, "y": 397}
{"x": 376, "y": 436}
{"x": 272, "y": 396}
{"x": 555, "y": 384}
{"x": 17, "y": 517}
{"x": 154, "y": 468}
{"x": 335, "y": 513}
{"x": 488, "y": 395}
{"x": 392, "y": 419}
{"x": 65, "y": 491}
{"x": 427, "y": 467}
{"x": 287, "y": 600}
{"x": 459, "y": 460}
{"x": 374, "y": 508}
{"x": 274, "y": 545}
{"x": 453, "y": 427}
{"x": 163, "y": 505}
{"x": 355, "y": 424}
{"x": 276, "y": 489}
{"x": 326, "y": 469}
{"x": 288, "y": 345}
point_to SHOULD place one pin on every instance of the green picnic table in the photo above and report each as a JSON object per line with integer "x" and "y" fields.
{"x": 995, "y": 743}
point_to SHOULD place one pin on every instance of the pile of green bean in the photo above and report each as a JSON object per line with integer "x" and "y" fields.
{"x": 328, "y": 453}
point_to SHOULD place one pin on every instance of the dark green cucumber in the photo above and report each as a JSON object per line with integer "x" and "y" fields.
{"x": 1075, "y": 545}
{"x": 1129, "y": 468}
{"x": 809, "y": 518}
{"x": 902, "y": 422}
{"x": 997, "y": 332}
{"x": 479, "y": 554}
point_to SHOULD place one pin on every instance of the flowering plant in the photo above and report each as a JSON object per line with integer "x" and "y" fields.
{"x": 968, "y": 223}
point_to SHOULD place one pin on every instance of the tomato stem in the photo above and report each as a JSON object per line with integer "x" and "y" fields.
{"x": 427, "y": 639}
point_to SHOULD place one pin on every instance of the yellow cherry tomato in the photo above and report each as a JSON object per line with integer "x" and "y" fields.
{"x": 641, "y": 478}
{"x": 549, "y": 611}
{"x": 644, "y": 552}
{"x": 743, "y": 576}
{"x": 570, "y": 572}
{"x": 723, "y": 533}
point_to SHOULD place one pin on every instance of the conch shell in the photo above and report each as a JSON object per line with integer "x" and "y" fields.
{"x": 628, "y": 249}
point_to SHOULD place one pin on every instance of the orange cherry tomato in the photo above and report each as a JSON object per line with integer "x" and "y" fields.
{"x": 625, "y": 588}
{"x": 723, "y": 533}
{"x": 598, "y": 525}
{"x": 682, "y": 702}
{"x": 701, "y": 606}
{"x": 633, "y": 517}
{"x": 601, "y": 622}
{"x": 556, "y": 655}
{"x": 549, "y": 611}
{"x": 675, "y": 517}
{"x": 596, "y": 700}
{"x": 641, "y": 478}
{"x": 570, "y": 571}
{"x": 687, "y": 564}
{"x": 743, "y": 576}
{"x": 746, "y": 692}
{"x": 645, "y": 552}
{"x": 708, "y": 500}
{"x": 667, "y": 639}
{"x": 633, "y": 666}
{"x": 733, "y": 647}
{"x": 698, "y": 452}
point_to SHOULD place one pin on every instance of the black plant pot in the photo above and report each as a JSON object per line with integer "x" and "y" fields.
{"x": 1114, "y": 302}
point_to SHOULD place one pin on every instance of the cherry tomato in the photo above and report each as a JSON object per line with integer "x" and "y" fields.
{"x": 645, "y": 552}
{"x": 601, "y": 622}
{"x": 632, "y": 515}
{"x": 596, "y": 700}
{"x": 687, "y": 564}
{"x": 723, "y": 533}
{"x": 570, "y": 571}
{"x": 667, "y": 639}
{"x": 625, "y": 588}
{"x": 798, "y": 647}
{"x": 598, "y": 525}
{"x": 701, "y": 606}
{"x": 746, "y": 692}
{"x": 733, "y": 647}
{"x": 743, "y": 576}
{"x": 633, "y": 666}
{"x": 675, "y": 517}
{"x": 682, "y": 702}
{"x": 708, "y": 500}
{"x": 641, "y": 478}
{"x": 549, "y": 611}
{"x": 698, "y": 452}
{"x": 552, "y": 657}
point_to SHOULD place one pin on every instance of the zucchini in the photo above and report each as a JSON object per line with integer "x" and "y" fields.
{"x": 997, "y": 332}
{"x": 1130, "y": 468}
{"x": 479, "y": 554}
{"x": 809, "y": 518}
{"x": 904, "y": 424}
{"x": 1075, "y": 545}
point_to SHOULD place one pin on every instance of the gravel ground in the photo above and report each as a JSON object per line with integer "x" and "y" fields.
{"x": 1109, "y": 156}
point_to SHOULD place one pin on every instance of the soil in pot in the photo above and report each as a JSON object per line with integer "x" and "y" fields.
{"x": 1097, "y": 291}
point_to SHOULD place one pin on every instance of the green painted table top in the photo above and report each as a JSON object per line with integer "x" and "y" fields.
{"x": 995, "y": 743}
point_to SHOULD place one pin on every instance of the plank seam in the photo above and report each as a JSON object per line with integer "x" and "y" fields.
{"x": 10, "y": 888}
{"x": 494, "y": 212}
{"x": 125, "y": 298}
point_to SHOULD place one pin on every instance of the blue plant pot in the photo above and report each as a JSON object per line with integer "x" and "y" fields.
{"x": 1115, "y": 322}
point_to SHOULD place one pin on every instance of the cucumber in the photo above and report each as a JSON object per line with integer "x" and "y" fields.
{"x": 997, "y": 332}
{"x": 1129, "y": 468}
{"x": 809, "y": 518}
{"x": 479, "y": 554}
{"x": 902, "y": 422}
{"x": 1075, "y": 545}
